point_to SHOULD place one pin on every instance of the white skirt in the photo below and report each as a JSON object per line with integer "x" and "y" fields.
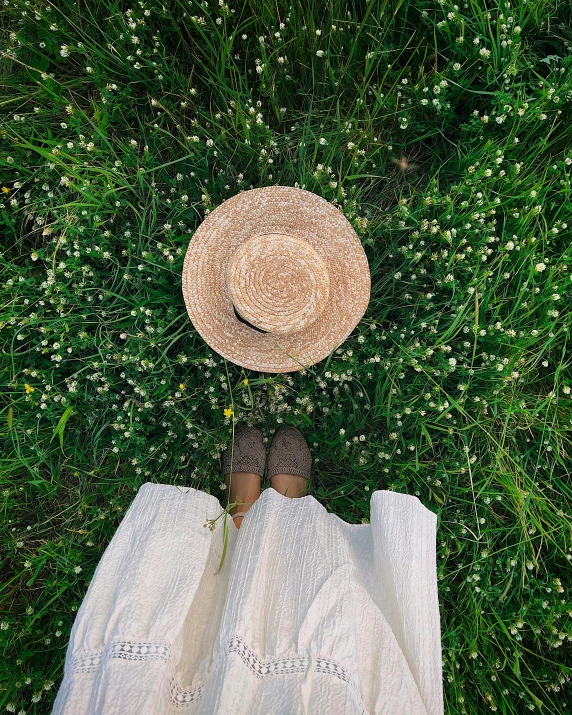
{"x": 308, "y": 615}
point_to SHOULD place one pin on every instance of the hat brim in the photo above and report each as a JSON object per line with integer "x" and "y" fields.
{"x": 290, "y": 211}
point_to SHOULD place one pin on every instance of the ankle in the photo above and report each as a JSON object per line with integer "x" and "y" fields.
{"x": 240, "y": 508}
{"x": 238, "y": 519}
{"x": 244, "y": 491}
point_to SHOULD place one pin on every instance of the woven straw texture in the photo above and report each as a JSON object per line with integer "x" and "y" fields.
{"x": 291, "y": 264}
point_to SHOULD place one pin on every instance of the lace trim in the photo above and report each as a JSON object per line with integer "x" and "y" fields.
{"x": 127, "y": 650}
{"x": 134, "y": 650}
{"x": 260, "y": 668}
{"x": 181, "y": 696}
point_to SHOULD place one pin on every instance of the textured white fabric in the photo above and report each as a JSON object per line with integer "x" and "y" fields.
{"x": 309, "y": 615}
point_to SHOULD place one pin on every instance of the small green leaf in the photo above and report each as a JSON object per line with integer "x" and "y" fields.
{"x": 59, "y": 428}
{"x": 36, "y": 572}
{"x": 516, "y": 665}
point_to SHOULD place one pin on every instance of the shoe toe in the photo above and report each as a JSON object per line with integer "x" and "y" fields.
{"x": 289, "y": 454}
{"x": 248, "y": 453}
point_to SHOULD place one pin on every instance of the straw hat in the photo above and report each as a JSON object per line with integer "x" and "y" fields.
{"x": 275, "y": 279}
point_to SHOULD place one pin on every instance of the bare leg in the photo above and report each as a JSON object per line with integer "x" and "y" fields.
{"x": 289, "y": 485}
{"x": 244, "y": 488}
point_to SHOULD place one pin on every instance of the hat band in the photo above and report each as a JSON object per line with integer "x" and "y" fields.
{"x": 243, "y": 320}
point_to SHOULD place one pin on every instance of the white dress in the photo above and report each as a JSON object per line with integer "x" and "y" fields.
{"x": 309, "y": 614}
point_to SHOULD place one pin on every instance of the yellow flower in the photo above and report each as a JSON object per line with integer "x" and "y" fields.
{"x": 5, "y": 190}
{"x": 28, "y": 388}
{"x": 181, "y": 386}
{"x": 245, "y": 381}
{"x": 229, "y": 412}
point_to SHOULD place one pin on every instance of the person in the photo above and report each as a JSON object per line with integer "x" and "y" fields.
{"x": 308, "y": 614}
{"x": 278, "y": 607}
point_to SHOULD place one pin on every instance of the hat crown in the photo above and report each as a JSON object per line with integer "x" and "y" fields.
{"x": 278, "y": 283}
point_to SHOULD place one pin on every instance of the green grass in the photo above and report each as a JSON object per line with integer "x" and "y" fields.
{"x": 455, "y": 386}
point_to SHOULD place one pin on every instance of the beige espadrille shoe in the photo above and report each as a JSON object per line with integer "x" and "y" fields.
{"x": 248, "y": 454}
{"x": 289, "y": 454}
